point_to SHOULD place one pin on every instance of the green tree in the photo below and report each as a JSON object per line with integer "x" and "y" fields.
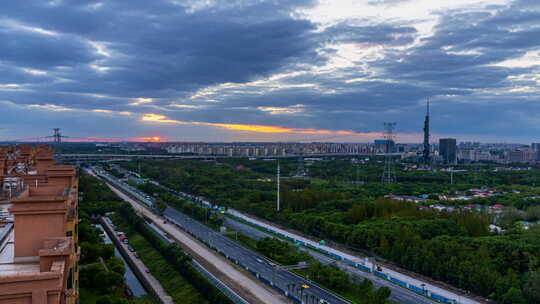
{"x": 532, "y": 286}
{"x": 513, "y": 296}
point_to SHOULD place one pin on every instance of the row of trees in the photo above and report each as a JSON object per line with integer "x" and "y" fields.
{"x": 98, "y": 199}
{"x": 173, "y": 255}
{"x": 94, "y": 278}
{"x": 440, "y": 245}
{"x": 336, "y": 279}
{"x": 165, "y": 199}
{"x": 285, "y": 253}
{"x": 281, "y": 252}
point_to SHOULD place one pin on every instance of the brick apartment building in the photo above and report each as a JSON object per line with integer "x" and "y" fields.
{"x": 39, "y": 250}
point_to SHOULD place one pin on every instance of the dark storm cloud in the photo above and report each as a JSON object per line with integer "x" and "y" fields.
{"x": 464, "y": 48}
{"x": 31, "y": 49}
{"x": 159, "y": 46}
{"x": 451, "y": 67}
{"x": 104, "y": 55}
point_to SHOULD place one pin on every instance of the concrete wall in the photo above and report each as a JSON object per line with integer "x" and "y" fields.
{"x": 139, "y": 273}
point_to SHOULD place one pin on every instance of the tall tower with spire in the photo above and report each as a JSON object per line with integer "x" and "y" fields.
{"x": 426, "y": 157}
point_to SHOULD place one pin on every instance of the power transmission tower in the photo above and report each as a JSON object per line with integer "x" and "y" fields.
{"x": 57, "y": 139}
{"x": 57, "y": 136}
{"x": 389, "y": 174}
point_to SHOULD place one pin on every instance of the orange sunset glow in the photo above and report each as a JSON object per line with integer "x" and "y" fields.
{"x": 156, "y": 139}
{"x": 157, "y": 118}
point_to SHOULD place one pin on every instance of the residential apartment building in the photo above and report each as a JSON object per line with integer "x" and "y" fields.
{"x": 520, "y": 156}
{"x": 39, "y": 250}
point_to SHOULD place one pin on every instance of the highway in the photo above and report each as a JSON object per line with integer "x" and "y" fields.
{"x": 253, "y": 261}
{"x": 404, "y": 288}
{"x": 431, "y": 289}
{"x": 399, "y": 295}
{"x": 253, "y": 291}
{"x": 90, "y": 157}
{"x": 287, "y": 282}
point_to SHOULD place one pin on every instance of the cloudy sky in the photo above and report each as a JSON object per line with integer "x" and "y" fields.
{"x": 238, "y": 70}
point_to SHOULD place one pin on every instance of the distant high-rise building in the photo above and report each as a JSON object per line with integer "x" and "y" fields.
{"x": 448, "y": 150}
{"x": 426, "y": 157}
{"x": 536, "y": 150}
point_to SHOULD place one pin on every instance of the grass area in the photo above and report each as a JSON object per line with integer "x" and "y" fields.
{"x": 241, "y": 238}
{"x": 172, "y": 281}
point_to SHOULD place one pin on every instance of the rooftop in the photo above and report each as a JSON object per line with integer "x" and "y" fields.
{"x": 8, "y": 264}
{"x": 33, "y": 187}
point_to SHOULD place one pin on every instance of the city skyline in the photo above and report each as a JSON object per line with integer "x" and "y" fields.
{"x": 271, "y": 70}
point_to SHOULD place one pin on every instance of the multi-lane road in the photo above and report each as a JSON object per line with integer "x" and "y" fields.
{"x": 291, "y": 284}
{"x": 399, "y": 294}
{"x": 253, "y": 261}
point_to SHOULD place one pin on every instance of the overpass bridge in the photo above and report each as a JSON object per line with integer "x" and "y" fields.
{"x": 97, "y": 157}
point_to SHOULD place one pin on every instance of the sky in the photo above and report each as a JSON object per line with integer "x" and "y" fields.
{"x": 270, "y": 70}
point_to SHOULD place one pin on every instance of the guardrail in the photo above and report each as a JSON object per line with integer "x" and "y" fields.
{"x": 359, "y": 265}
{"x": 211, "y": 278}
{"x": 139, "y": 273}
{"x": 127, "y": 189}
{"x": 233, "y": 296}
{"x": 229, "y": 293}
{"x": 268, "y": 282}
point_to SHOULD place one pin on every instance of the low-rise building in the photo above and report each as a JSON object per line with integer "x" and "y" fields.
{"x": 39, "y": 250}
